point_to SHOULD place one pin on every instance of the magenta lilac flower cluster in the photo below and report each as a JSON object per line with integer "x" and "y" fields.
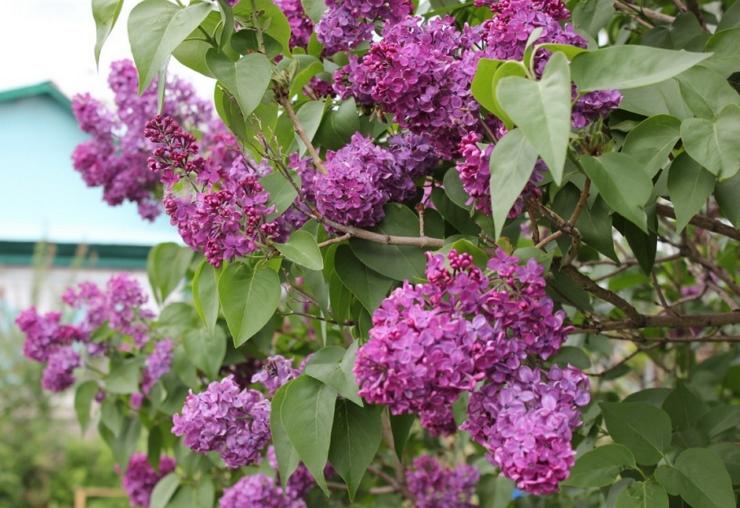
{"x": 258, "y": 491}
{"x": 276, "y": 371}
{"x": 44, "y": 334}
{"x": 224, "y": 418}
{"x": 140, "y": 478}
{"x": 157, "y": 364}
{"x": 348, "y": 23}
{"x": 301, "y": 26}
{"x": 58, "y": 374}
{"x": 527, "y": 422}
{"x": 115, "y": 158}
{"x": 434, "y": 486}
{"x": 220, "y": 209}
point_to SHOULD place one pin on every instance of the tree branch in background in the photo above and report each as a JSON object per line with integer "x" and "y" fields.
{"x": 285, "y": 101}
{"x": 702, "y": 221}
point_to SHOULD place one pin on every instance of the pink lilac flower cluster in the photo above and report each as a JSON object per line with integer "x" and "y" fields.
{"x": 119, "y": 305}
{"x": 140, "y": 478}
{"x": 258, "y": 491}
{"x": 301, "y": 26}
{"x": 115, "y": 158}
{"x": 474, "y": 171}
{"x": 348, "y": 23}
{"x": 420, "y": 73}
{"x": 434, "y": 486}
{"x": 224, "y": 418}
{"x": 526, "y": 424}
{"x": 227, "y": 215}
{"x": 276, "y": 371}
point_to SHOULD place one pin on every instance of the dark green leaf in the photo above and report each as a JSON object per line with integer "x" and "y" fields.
{"x": 105, "y": 13}
{"x": 205, "y": 294}
{"x": 662, "y": 99}
{"x": 689, "y": 186}
{"x": 282, "y": 191}
{"x": 355, "y": 438}
{"x": 458, "y": 217}
{"x": 643, "y": 495}
{"x": 155, "y": 29}
{"x": 368, "y": 286}
{"x": 644, "y": 429}
{"x": 600, "y": 467}
{"x": 684, "y": 408}
{"x": 720, "y": 419}
{"x": 166, "y": 267}
{"x": 111, "y": 415}
{"x": 495, "y": 491}
{"x": 333, "y": 366}
{"x": 84, "y": 396}
{"x": 286, "y": 454}
{"x": 726, "y": 194}
{"x": 713, "y": 144}
{"x": 704, "y": 481}
{"x": 571, "y": 355}
{"x": 590, "y": 16}
{"x": 206, "y": 349}
{"x": 249, "y": 298}
{"x": 301, "y": 248}
{"x": 401, "y": 426}
{"x": 706, "y": 92}
{"x": 652, "y": 141}
{"x": 644, "y": 245}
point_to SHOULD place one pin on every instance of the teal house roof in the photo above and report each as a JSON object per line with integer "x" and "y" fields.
{"x": 42, "y": 197}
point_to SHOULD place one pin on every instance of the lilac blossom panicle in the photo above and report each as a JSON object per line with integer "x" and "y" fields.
{"x": 227, "y": 216}
{"x": 434, "y": 486}
{"x": 140, "y": 478}
{"x": 224, "y": 418}
{"x": 526, "y": 424}
{"x": 44, "y": 334}
{"x": 301, "y": 26}
{"x": 58, "y": 374}
{"x": 257, "y": 491}
{"x": 276, "y": 371}
{"x": 348, "y": 23}
{"x": 157, "y": 364}
{"x": 115, "y": 158}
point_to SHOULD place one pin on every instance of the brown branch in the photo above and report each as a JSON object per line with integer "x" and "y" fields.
{"x": 702, "y": 222}
{"x": 650, "y": 14}
{"x": 589, "y": 285}
{"x": 285, "y": 101}
{"x": 668, "y": 321}
{"x": 622, "y": 361}
{"x": 332, "y": 241}
{"x": 581, "y": 205}
{"x": 549, "y": 238}
{"x": 423, "y": 242}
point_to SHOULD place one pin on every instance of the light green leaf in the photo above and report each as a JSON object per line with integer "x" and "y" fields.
{"x": 512, "y": 162}
{"x": 249, "y": 298}
{"x": 286, "y": 454}
{"x": 622, "y": 183}
{"x": 282, "y": 192}
{"x": 309, "y": 116}
{"x": 205, "y": 294}
{"x": 652, "y": 141}
{"x": 123, "y": 377}
{"x": 314, "y": 9}
{"x": 481, "y": 87}
{"x": 166, "y": 267}
{"x": 705, "y": 91}
{"x": 663, "y": 98}
{"x": 629, "y": 66}
{"x": 84, "y": 396}
{"x": 724, "y": 45}
{"x": 689, "y": 186}
{"x": 643, "y": 495}
{"x": 206, "y": 348}
{"x": 355, "y": 438}
{"x": 506, "y": 69}
{"x": 590, "y": 16}
{"x": 308, "y": 411}
{"x": 333, "y": 366}
{"x": 164, "y": 490}
{"x": 246, "y": 80}
{"x": 713, "y": 144}
{"x": 726, "y": 194}
{"x": 111, "y": 415}
{"x": 643, "y": 428}
{"x": 155, "y": 29}
{"x": 105, "y": 13}
{"x": 600, "y": 467}
{"x": 270, "y": 17}
{"x": 368, "y": 286}
{"x": 541, "y": 110}
{"x": 301, "y": 248}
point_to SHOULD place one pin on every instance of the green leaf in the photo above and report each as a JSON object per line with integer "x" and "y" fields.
{"x": 512, "y": 162}
{"x": 309, "y": 116}
{"x": 201, "y": 495}
{"x": 286, "y": 454}
{"x": 314, "y": 9}
{"x": 662, "y": 99}
{"x": 397, "y": 262}
{"x": 192, "y": 51}
{"x": 629, "y": 66}
{"x": 124, "y": 445}
{"x": 368, "y": 286}
{"x": 506, "y": 69}
{"x": 333, "y": 367}
{"x": 689, "y": 186}
{"x": 643, "y": 495}
{"x": 713, "y": 144}
{"x": 701, "y": 479}
{"x": 205, "y": 294}
{"x": 111, "y": 415}
{"x": 644, "y": 429}
{"x": 724, "y": 44}
{"x": 249, "y": 298}
{"x": 281, "y": 190}
{"x": 84, "y": 396}
{"x": 123, "y": 377}
{"x": 164, "y": 490}
{"x": 454, "y": 189}
{"x": 652, "y": 141}
{"x": 601, "y": 466}
{"x": 726, "y": 194}
{"x": 684, "y": 408}
{"x": 155, "y": 29}
{"x": 458, "y": 217}
{"x": 355, "y": 438}
{"x": 495, "y": 491}
{"x": 206, "y": 349}
{"x": 720, "y": 419}
{"x": 246, "y": 80}
{"x": 301, "y": 248}
{"x": 590, "y": 16}
{"x": 105, "y": 13}
{"x": 572, "y": 355}
{"x": 271, "y": 18}
{"x": 644, "y": 245}
{"x": 310, "y": 406}
{"x": 400, "y": 427}
{"x": 705, "y": 91}
{"x": 622, "y": 183}
{"x": 166, "y": 267}
{"x": 481, "y": 87}
{"x": 541, "y": 110}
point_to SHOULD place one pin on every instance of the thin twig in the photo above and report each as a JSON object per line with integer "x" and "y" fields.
{"x": 589, "y": 285}
{"x": 702, "y": 222}
{"x": 336, "y": 239}
{"x": 320, "y": 318}
{"x": 648, "y": 13}
{"x": 663, "y": 321}
{"x": 423, "y": 242}
{"x": 623, "y": 361}
{"x": 285, "y": 101}
{"x": 549, "y": 238}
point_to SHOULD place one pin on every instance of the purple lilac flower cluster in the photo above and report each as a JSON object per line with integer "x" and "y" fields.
{"x": 421, "y": 74}
{"x": 474, "y": 171}
{"x": 276, "y": 371}
{"x": 527, "y": 422}
{"x": 348, "y": 23}
{"x": 301, "y": 26}
{"x": 226, "y": 216}
{"x": 301, "y": 481}
{"x": 434, "y": 486}
{"x": 157, "y": 364}
{"x": 58, "y": 374}
{"x": 258, "y": 491}
{"x": 115, "y": 157}
{"x": 224, "y": 418}
{"x": 140, "y": 478}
